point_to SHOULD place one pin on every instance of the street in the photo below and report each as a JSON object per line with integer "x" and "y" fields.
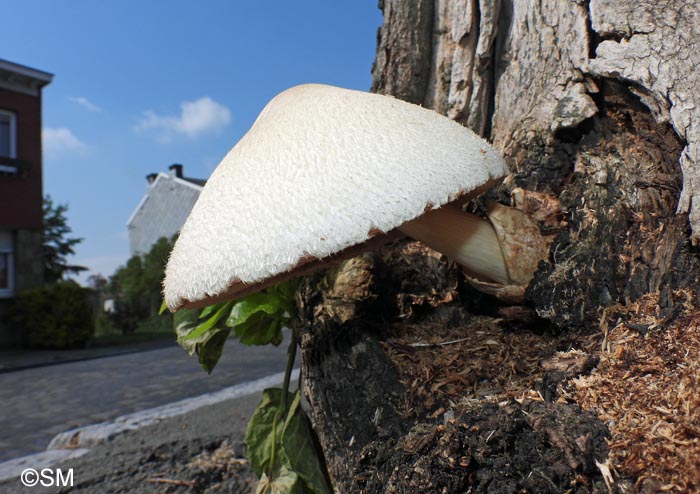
{"x": 41, "y": 402}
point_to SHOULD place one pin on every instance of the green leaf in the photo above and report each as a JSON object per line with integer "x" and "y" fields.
{"x": 300, "y": 448}
{"x": 287, "y": 291}
{"x": 212, "y": 347}
{"x": 292, "y": 443}
{"x": 260, "y": 329}
{"x": 264, "y": 433}
{"x": 209, "y": 323}
{"x": 285, "y": 482}
{"x": 268, "y": 303}
{"x": 256, "y": 320}
{"x": 208, "y": 347}
{"x": 163, "y": 308}
{"x": 185, "y": 320}
{"x": 259, "y": 318}
{"x": 211, "y": 309}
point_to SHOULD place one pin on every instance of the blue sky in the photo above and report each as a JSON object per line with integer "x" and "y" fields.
{"x": 140, "y": 85}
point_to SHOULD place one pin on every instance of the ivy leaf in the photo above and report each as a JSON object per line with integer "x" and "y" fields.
{"x": 211, "y": 348}
{"x": 298, "y": 443}
{"x": 208, "y": 346}
{"x": 257, "y": 319}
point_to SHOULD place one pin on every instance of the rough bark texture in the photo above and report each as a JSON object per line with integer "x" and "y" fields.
{"x": 594, "y": 106}
{"x": 654, "y": 46}
{"x": 404, "y": 49}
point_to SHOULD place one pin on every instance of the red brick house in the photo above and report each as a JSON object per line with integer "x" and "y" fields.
{"x": 21, "y": 187}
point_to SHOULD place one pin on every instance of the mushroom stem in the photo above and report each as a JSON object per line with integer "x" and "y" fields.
{"x": 463, "y": 237}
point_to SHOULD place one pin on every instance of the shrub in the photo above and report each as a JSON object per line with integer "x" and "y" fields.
{"x": 162, "y": 323}
{"x": 58, "y": 315}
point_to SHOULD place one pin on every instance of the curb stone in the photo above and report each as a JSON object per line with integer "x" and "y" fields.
{"x": 76, "y": 442}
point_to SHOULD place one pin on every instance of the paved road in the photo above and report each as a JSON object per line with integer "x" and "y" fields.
{"x": 166, "y": 449}
{"x": 36, "y": 404}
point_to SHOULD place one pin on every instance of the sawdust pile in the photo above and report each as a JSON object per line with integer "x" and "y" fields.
{"x": 442, "y": 365}
{"x": 646, "y": 389}
{"x": 639, "y": 373}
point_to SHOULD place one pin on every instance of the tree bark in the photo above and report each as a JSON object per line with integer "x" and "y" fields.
{"x": 594, "y": 105}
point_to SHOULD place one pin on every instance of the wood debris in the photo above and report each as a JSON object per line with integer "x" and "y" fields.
{"x": 482, "y": 359}
{"x": 645, "y": 385}
{"x": 646, "y": 389}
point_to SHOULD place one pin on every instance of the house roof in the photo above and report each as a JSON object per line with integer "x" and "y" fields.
{"x": 197, "y": 181}
{"x": 23, "y": 79}
{"x": 194, "y": 183}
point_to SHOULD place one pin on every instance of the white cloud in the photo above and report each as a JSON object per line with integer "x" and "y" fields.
{"x": 60, "y": 140}
{"x": 85, "y": 103}
{"x": 197, "y": 117}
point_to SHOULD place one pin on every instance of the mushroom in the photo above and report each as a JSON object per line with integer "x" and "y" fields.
{"x": 326, "y": 173}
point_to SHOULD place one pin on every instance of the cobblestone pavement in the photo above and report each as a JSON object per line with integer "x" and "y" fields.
{"x": 166, "y": 449}
{"x": 38, "y": 403}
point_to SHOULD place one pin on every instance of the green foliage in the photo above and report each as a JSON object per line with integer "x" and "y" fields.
{"x": 257, "y": 319}
{"x": 157, "y": 323}
{"x": 208, "y": 345}
{"x": 300, "y": 447}
{"x": 104, "y": 326}
{"x": 57, "y": 247}
{"x": 136, "y": 288}
{"x": 281, "y": 448}
{"x": 279, "y": 440}
{"x": 58, "y": 315}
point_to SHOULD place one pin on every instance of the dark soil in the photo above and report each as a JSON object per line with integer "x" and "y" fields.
{"x": 491, "y": 448}
{"x": 200, "y": 466}
{"x": 452, "y": 392}
{"x": 486, "y": 412}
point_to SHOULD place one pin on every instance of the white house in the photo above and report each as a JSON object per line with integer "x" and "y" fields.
{"x": 163, "y": 210}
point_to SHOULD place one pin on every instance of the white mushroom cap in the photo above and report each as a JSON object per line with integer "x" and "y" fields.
{"x": 322, "y": 169}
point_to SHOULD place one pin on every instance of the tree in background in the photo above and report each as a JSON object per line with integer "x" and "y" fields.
{"x": 153, "y": 271}
{"x": 136, "y": 288}
{"x": 57, "y": 246}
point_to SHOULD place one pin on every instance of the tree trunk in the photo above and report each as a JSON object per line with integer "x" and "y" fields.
{"x": 594, "y": 105}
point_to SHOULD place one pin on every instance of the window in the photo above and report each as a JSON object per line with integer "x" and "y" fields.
{"x": 8, "y": 140}
{"x": 8, "y": 134}
{"x": 7, "y": 268}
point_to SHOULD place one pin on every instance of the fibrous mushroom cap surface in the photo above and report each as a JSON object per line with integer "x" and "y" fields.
{"x": 321, "y": 169}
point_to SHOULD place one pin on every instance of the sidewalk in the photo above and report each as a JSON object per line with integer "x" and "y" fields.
{"x": 193, "y": 444}
{"x": 13, "y": 360}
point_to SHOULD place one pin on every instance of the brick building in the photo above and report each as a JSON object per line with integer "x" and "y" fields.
{"x": 21, "y": 187}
